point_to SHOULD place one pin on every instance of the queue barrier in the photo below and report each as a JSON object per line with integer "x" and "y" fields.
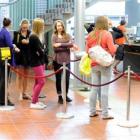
{"x": 65, "y": 114}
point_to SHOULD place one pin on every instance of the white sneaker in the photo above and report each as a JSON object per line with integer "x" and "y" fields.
{"x": 42, "y": 104}
{"x": 36, "y": 106}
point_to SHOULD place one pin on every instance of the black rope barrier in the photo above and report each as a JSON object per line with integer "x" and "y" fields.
{"x": 75, "y": 60}
{"x": 121, "y": 75}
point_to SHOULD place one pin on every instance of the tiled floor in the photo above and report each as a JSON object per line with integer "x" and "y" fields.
{"x": 27, "y": 124}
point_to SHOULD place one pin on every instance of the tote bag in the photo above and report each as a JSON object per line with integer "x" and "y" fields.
{"x": 100, "y": 55}
{"x": 85, "y": 65}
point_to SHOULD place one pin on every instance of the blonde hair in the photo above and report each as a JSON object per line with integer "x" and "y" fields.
{"x": 63, "y": 33}
{"x": 37, "y": 26}
{"x": 100, "y": 24}
{"x": 24, "y": 21}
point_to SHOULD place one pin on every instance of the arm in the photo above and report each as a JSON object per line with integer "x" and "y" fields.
{"x": 57, "y": 46}
{"x": 8, "y": 40}
{"x": 126, "y": 37}
{"x": 110, "y": 44}
{"x": 124, "y": 31}
{"x": 68, "y": 44}
{"x": 88, "y": 45}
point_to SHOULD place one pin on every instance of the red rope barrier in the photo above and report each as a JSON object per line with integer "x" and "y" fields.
{"x": 95, "y": 84}
{"x": 133, "y": 75}
{"x": 30, "y": 76}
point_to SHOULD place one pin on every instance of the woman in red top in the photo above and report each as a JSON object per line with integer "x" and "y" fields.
{"x": 100, "y": 74}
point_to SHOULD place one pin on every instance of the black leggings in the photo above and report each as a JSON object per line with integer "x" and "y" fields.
{"x": 58, "y": 77}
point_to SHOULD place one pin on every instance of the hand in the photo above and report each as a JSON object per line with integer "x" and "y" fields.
{"x": 57, "y": 45}
{"x": 75, "y": 47}
{"x": 116, "y": 45}
{"x": 25, "y": 41}
{"x": 17, "y": 49}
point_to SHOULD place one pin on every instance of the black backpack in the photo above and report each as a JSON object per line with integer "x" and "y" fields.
{"x": 117, "y": 33}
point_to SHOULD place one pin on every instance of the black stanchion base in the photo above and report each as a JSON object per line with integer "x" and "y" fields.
{"x": 84, "y": 89}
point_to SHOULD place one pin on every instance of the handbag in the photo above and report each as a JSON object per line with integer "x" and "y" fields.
{"x": 85, "y": 65}
{"x": 100, "y": 55}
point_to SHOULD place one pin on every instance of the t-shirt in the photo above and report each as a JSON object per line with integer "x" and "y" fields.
{"x": 121, "y": 40}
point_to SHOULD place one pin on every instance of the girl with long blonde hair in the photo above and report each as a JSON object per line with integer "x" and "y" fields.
{"x": 100, "y": 74}
{"x": 37, "y": 61}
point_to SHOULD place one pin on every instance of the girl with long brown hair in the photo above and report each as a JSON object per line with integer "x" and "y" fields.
{"x": 62, "y": 43}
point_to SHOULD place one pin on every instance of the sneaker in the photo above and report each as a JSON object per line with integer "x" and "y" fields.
{"x": 94, "y": 115}
{"x": 68, "y": 99}
{"x": 36, "y": 106}
{"x": 42, "y": 104}
{"x": 42, "y": 96}
{"x": 107, "y": 117}
{"x": 60, "y": 100}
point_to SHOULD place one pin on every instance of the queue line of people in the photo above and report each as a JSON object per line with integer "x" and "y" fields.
{"x": 29, "y": 52}
{"x": 62, "y": 44}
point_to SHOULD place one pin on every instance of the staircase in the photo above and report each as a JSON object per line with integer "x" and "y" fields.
{"x": 59, "y": 9}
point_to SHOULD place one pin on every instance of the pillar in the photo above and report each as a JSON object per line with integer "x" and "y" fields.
{"x": 132, "y": 9}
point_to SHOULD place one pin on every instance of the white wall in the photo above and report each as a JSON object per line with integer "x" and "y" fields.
{"x": 115, "y": 10}
{"x": 4, "y": 11}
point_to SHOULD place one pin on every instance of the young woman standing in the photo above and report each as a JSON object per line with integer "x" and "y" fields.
{"x": 21, "y": 39}
{"x": 37, "y": 60}
{"x": 62, "y": 43}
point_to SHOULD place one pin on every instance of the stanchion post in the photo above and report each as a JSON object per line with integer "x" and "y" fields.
{"x": 6, "y": 86}
{"x": 128, "y": 97}
{"x": 5, "y": 55}
{"x": 64, "y": 87}
{"x": 64, "y": 114}
{"x": 128, "y": 123}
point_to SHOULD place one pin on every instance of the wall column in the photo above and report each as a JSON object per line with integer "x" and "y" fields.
{"x": 79, "y": 34}
{"x": 132, "y": 9}
{"x": 79, "y": 16}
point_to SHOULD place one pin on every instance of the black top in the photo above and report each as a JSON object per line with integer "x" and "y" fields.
{"x": 36, "y": 51}
{"x": 22, "y": 57}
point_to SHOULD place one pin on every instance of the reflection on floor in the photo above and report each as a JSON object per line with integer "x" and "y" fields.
{"x": 27, "y": 124}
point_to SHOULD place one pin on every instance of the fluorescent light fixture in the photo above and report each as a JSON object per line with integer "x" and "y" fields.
{"x": 138, "y": 1}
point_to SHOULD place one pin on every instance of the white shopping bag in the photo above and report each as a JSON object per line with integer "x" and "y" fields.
{"x": 101, "y": 56}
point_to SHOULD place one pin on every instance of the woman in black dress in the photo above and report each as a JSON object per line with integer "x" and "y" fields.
{"x": 21, "y": 39}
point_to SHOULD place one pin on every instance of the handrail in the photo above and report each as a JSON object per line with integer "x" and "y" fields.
{"x": 3, "y": 4}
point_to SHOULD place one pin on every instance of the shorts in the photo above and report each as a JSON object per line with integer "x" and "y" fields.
{"x": 120, "y": 53}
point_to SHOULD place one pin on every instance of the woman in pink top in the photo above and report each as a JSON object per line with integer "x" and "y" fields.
{"x": 100, "y": 74}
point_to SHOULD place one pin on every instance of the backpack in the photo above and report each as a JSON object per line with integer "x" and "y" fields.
{"x": 117, "y": 33}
